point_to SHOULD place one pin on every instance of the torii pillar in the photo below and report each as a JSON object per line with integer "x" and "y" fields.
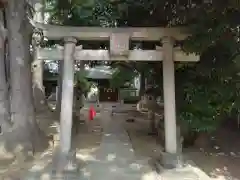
{"x": 67, "y": 95}
{"x": 169, "y": 96}
{"x": 64, "y": 160}
{"x": 172, "y": 155}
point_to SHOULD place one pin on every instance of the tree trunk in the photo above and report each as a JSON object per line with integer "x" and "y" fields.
{"x": 4, "y": 100}
{"x": 25, "y": 136}
{"x": 38, "y": 89}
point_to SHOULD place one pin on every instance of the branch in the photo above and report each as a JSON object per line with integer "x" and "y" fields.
{"x": 37, "y": 25}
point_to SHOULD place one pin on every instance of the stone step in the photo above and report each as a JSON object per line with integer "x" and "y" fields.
{"x": 67, "y": 176}
{"x": 50, "y": 176}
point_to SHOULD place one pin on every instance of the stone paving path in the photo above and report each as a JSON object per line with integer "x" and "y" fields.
{"x": 115, "y": 159}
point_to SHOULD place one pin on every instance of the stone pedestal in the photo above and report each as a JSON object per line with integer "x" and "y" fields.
{"x": 170, "y": 161}
{"x": 152, "y": 125}
{"x": 64, "y": 165}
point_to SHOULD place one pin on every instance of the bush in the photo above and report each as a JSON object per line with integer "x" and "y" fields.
{"x": 208, "y": 90}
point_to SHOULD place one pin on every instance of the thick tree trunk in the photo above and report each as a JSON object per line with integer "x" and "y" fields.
{"x": 24, "y": 136}
{"x": 4, "y": 100}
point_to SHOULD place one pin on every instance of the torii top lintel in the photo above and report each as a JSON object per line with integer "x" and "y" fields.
{"x": 53, "y": 32}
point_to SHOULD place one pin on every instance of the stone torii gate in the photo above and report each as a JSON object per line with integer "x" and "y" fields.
{"x": 119, "y": 51}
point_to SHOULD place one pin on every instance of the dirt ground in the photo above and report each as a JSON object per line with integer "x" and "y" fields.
{"x": 222, "y": 162}
{"x": 86, "y": 143}
{"x": 11, "y": 169}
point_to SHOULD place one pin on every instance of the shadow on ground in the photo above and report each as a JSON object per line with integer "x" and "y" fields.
{"x": 221, "y": 162}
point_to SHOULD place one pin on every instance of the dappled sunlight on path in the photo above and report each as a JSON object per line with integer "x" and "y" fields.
{"x": 115, "y": 158}
{"x": 104, "y": 150}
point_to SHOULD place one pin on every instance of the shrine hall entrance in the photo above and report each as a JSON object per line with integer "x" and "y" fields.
{"x": 108, "y": 94}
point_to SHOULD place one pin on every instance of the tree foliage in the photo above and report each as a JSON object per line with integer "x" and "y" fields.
{"x": 209, "y": 90}
{"x": 81, "y": 82}
{"x": 121, "y": 76}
